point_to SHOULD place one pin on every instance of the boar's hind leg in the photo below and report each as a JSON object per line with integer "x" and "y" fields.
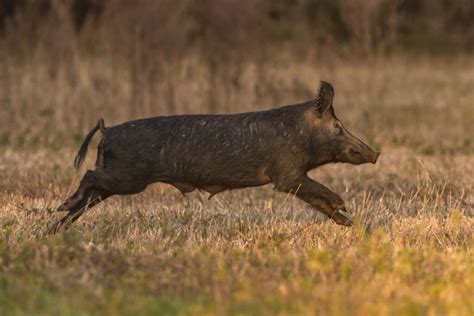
{"x": 318, "y": 196}
{"x": 92, "y": 190}
{"x": 92, "y": 181}
{"x": 89, "y": 200}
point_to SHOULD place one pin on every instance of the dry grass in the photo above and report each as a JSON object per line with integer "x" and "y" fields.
{"x": 252, "y": 251}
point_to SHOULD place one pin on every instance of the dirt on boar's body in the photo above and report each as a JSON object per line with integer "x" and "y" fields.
{"x": 219, "y": 152}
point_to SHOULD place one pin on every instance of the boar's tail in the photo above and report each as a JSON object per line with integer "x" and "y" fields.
{"x": 83, "y": 150}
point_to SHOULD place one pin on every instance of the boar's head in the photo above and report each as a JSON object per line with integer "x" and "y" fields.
{"x": 333, "y": 138}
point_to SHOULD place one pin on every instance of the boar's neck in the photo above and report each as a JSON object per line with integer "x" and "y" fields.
{"x": 296, "y": 124}
{"x": 315, "y": 143}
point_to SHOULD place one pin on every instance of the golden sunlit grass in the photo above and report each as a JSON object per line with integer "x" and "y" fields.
{"x": 252, "y": 251}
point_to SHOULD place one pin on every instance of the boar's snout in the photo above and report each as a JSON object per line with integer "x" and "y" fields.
{"x": 376, "y": 156}
{"x": 366, "y": 155}
{"x": 360, "y": 153}
{"x": 353, "y": 150}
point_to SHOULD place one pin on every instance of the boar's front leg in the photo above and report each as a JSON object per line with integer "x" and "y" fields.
{"x": 318, "y": 196}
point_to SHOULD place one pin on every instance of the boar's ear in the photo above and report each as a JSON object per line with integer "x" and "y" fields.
{"x": 324, "y": 98}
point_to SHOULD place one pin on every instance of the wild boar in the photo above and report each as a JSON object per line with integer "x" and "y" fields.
{"x": 215, "y": 153}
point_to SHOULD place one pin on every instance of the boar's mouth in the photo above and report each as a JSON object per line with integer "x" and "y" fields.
{"x": 360, "y": 153}
{"x": 372, "y": 156}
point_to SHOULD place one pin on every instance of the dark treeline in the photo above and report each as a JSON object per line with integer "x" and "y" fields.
{"x": 223, "y": 26}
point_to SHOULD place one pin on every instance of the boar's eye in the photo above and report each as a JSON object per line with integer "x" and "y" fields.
{"x": 338, "y": 127}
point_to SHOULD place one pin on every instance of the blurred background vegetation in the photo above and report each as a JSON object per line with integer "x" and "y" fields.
{"x": 223, "y": 28}
{"x": 64, "y": 63}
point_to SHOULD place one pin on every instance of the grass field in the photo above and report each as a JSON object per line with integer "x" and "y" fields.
{"x": 253, "y": 251}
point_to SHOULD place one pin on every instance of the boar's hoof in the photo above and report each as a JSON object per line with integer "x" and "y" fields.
{"x": 55, "y": 228}
{"x": 341, "y": 219}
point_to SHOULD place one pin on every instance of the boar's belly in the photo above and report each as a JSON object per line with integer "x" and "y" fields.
{"x": 215, "y": 169}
